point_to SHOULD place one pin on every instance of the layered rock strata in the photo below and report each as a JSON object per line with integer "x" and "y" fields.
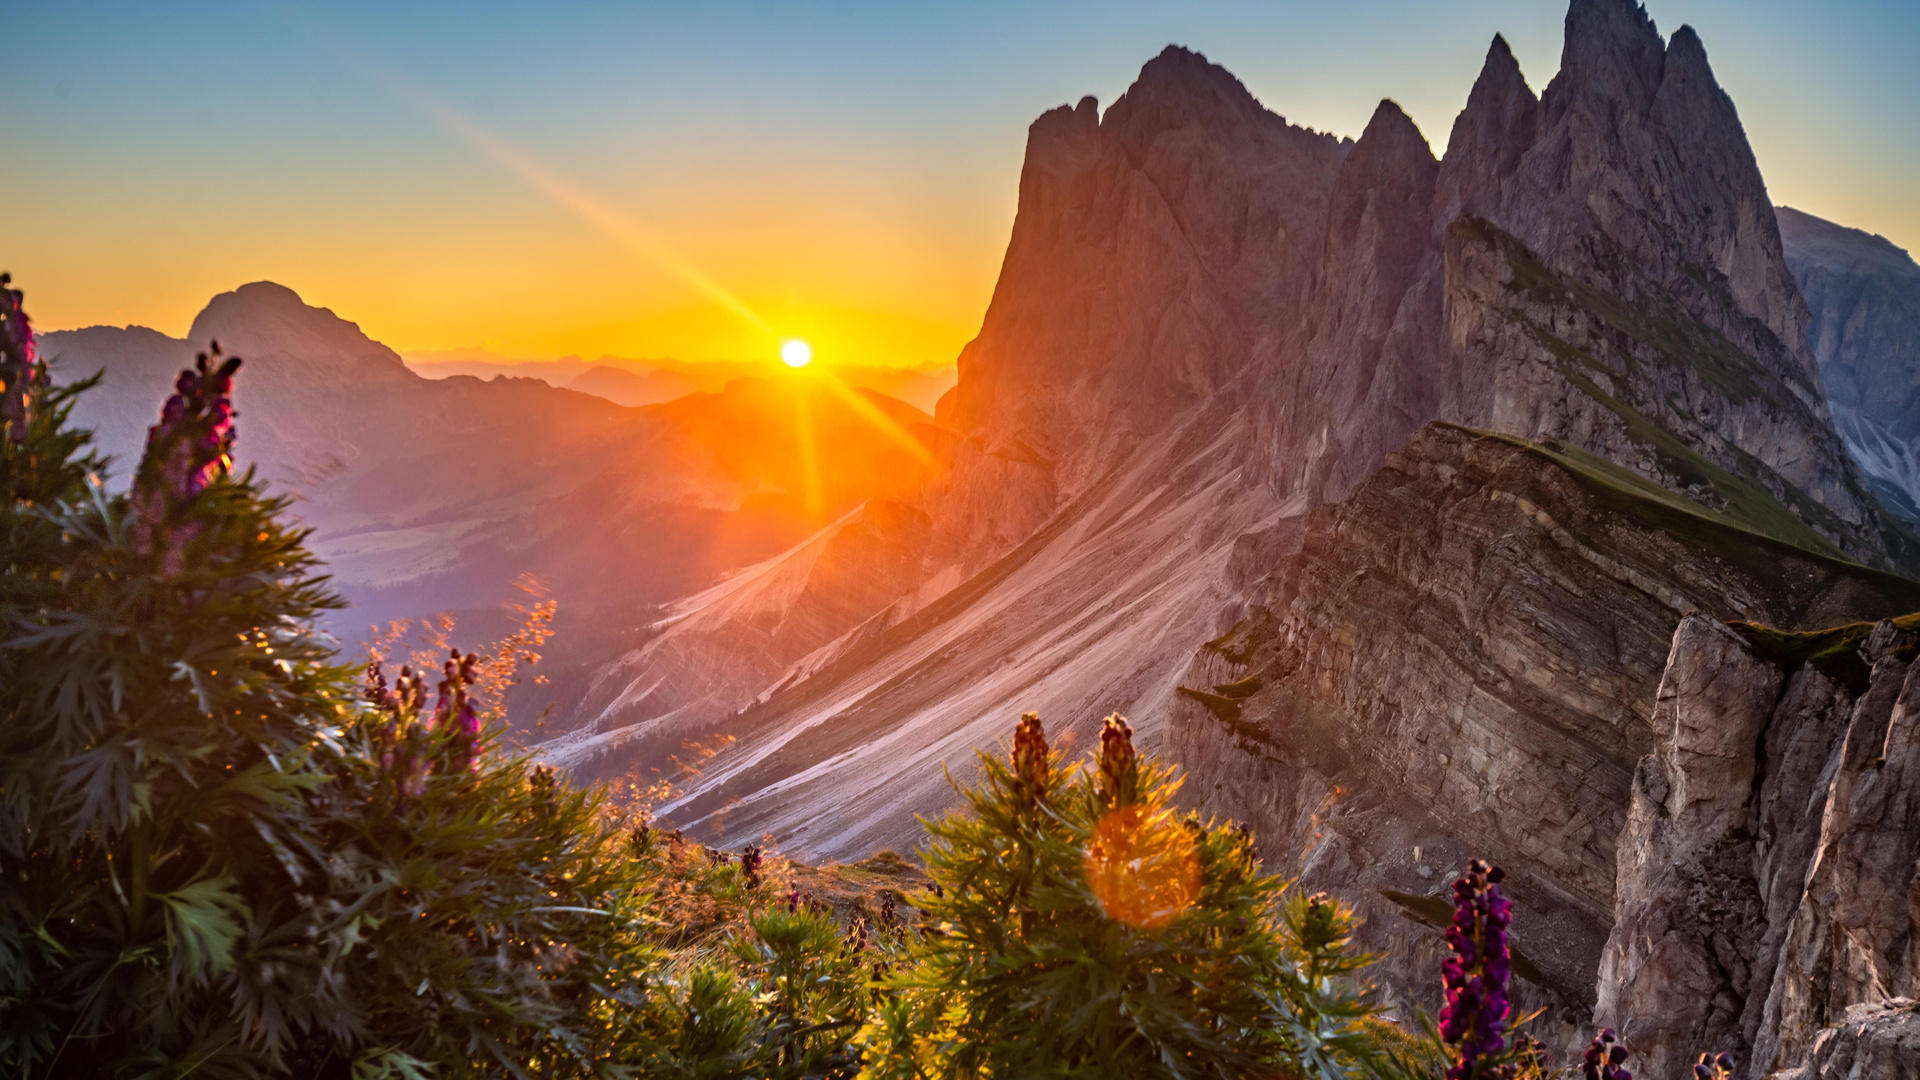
{"x": 1460, "y": 660}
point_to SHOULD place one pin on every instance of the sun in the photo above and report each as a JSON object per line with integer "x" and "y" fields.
{"x": 796, "y": 353}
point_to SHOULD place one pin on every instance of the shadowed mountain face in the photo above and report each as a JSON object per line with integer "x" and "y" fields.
{"x": 430, "y": 495}
{"x": 1864, "y": 294}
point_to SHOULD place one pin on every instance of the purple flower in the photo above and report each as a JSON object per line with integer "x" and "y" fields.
{"x": 1473, "y": 1018}
{"x": 1606, "y": 1057}
{"x": 404, "y": 730}
{"x": 1713, "y": 1067}
{"x": 750, "y": 857}
{"x": 22, "y": 375}
{"x": 189, "y": 449}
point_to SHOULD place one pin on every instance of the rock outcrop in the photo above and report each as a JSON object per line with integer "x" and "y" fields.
{"x": 1768, "y": 867}
{"x": 1864, "y": 294}
{"x": 1880, "y": 1041}
{"x": 1460, "y": 660}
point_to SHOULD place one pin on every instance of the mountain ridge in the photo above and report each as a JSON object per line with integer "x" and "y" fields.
{"x": 1189, "y": 254}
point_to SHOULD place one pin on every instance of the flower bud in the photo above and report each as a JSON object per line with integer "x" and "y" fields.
{"x": 1119, "y": 768}
{"x": 1030, "y": 757}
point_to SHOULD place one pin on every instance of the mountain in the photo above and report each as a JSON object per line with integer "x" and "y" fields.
{"x": 1864, "y": 294}
{"x": 920, "y": 387}
{"x": 1210, "y": 321}
{"x": 1371, "y": 485}
{"x": 429, "y": 495}
{"x": 624, "y": 387}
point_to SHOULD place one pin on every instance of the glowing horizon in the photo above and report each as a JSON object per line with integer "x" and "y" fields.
{"x": 843, "y": 174}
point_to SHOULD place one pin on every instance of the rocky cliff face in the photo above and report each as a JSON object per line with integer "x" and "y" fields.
{"x": 1599, "y": 265}
{"x": 1865, "y": 298}
{"x": 1767, "y": 868}
{"x": 1460, "y": 661}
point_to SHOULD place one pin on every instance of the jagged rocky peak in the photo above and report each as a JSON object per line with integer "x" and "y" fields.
{"x": 1640, "y": 141}
{"x": 1612, "y": 53}
{"x": 1155, "y": 249}
{"x": 265, "y": 320}
{"x": 1499, "y": 125}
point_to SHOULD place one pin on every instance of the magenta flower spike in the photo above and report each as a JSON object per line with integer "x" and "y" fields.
{"x": 1030, "y": 757}
{"x": 22, "y": 375}
{"x": 454, "y": 711}
{"x": 187, "y": 451}
{"x": 1606, "y": 1058}
{"x": 1473, "y": 1016}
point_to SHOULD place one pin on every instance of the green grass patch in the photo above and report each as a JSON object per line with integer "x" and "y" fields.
{"x": 1834, "y": 652}
{"x": 1240, "y": 689}
{"x": 1224, "y": 709}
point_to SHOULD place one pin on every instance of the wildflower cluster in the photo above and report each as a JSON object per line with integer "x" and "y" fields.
{"x": 1605, "y": 1058}
{"x": 751, "y": 857}
{"x": 187, "y": 451}
{"x": 1474, "y": 1013}
{"x": 1713, "y": 1067}
{"x": 22, "y": 374}
{"x": 1078, "y": 924}
{"x": 411, "y": 742}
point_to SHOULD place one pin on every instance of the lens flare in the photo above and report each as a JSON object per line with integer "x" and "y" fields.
{"x": 796, "y": 353}
{"x": 1142, "y": 866}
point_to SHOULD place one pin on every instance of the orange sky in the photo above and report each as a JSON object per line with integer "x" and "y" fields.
{"x": 701, "y": 181}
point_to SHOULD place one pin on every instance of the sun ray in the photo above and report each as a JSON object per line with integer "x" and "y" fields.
{"x": 619, "y": 226}
{"x": 865, "y": 409}
{"x": 815, "y": 498}
{"x": 622, "y": 228}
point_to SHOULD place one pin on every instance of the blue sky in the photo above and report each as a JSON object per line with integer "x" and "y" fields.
{"x": 859, "y": 158}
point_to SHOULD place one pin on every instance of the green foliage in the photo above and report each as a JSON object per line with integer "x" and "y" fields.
{"x": 1088, "y": 929}
{"x": 764, "y": 985}
{"x": 203, "y": 867}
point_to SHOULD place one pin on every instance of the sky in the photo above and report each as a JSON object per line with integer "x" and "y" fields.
{"x": 702, "y": 181}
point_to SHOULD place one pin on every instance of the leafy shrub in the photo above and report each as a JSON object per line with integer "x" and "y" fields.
{"x": 214, "y": 857}
{"x": 1086, "y": 928}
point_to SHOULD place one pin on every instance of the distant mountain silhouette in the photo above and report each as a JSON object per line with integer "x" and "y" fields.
{"x": 625, "y": 387}
{"x": 1864, "y": 294}
{"x": 436, "y": 494}
{"x": 920, "y": 387}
